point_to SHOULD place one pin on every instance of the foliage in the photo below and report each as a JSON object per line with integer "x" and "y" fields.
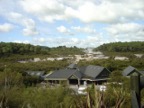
{"x": 113, "y": 97}
{"x": 46, "y": 66}
{"x": 116, "y": 96}
{"x": 115, "y": 65}
{"x": 118, "y": 90}
{"x": 13, "y": 93}
{"x": 10, "y": 78}
{"x": 8, "y": 49}
{"x": 41, "y": 98}
{"x": 30, "y": 80}
{"x": 122, "y": 47}
{"x": 63, "y": 50}
{"x": 116, "y": 77}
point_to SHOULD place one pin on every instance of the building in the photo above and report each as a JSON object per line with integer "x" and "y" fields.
{"x": 130, "y": 70}
{"x": 75, "y": 75}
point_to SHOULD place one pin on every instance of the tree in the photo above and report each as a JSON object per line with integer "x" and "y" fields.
{"x": 9, "y": 79}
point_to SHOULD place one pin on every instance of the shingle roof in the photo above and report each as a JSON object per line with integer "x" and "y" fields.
{"x": 127, "y": 71}
{"x": 78, "y": 74}
{"x": 93, "y": 71}
{"x": 90, "y": 72}
{"x": 62, "y": 74}
{"x": 72, "y": 66}
{"x": 142, "y": 72}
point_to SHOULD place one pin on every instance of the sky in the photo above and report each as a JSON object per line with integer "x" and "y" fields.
{"x": 81, "y": 23}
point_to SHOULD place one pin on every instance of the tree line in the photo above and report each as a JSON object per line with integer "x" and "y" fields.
{"x": 135, "y": 46}
{"x": 10, "y": 48}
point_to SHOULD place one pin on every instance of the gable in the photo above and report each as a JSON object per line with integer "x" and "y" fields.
{"x": 73, "y": 77}
{"x": 104, "y": 74}
{"x": 129, "y": 70}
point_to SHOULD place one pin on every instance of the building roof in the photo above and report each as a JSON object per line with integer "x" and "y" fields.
{"x": 141, "y": 72}
{"x": 93, "y": 71}
{"x": 63, "y": 74}
{"x": 129, "y": 70}
{"x": 72, "y": 66}
{"x": 78, "y": 74}
{"x": 89, "y": 72}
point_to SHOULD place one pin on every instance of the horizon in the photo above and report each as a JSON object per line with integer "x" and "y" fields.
{"x": 79, "y": 23}
{"x": 72, "y": 46}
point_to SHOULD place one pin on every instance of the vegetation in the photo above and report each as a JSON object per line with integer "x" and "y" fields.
{"x": 116, "y": 65}
{"x": 122, "y": 47}
{"x": 17, "y": 96}
{"x": 114, "y": 97}
{"x": 14, "y": 93}
{"x": 8, "y": 49}
{"x": 35, "y": 66}
{"x": 36, "y": 98}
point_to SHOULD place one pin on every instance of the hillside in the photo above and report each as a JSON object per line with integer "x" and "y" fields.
{"x": 122, "y": 47}
{"x": 8, "y": 49}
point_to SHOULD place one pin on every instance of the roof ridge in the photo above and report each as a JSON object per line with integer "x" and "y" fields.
{"x": 75, "y": 75}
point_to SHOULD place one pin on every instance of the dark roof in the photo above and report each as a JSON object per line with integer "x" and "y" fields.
{"x": 62, "y": 74}
{"x": 89, "y": 72}
{"x": 141, "y": 72}
{"x": 129, "y": 70}
{"x": 35, "y": 73}
{"x": 78, "y": 74}
{"x": 72, "y": 66}
{"x": 93, "y": 71}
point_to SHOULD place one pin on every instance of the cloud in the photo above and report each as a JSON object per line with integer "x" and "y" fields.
{"x": 126, "y": 31}
{"x": 19, "y": 41}
{"x": 87, "y": 11}
{"x": 89, "y": 41}
{"x": 28, "y": 23}
{"x": 91, "y": 21}
{"x": 121, "y": 28}
{"x": 63, "y": 29}
{"x": 30, "y": 29}
{"x": 84, "y": 29}
{"x": 108, "y": 11}
{"x": 79, "y": 29}
{"x": 39, "y": 41}
{"x": 43, "y": 7}
{"x": 45, "y": 10}
{"x": 29, "y": 32}
{"x": 15, "y": 17}
{"x": 6, "y": 27}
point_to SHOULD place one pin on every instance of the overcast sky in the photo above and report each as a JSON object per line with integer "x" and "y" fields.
{"x": 81, "y": 23}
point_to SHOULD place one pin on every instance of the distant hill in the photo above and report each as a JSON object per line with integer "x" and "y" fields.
{"x": 7, "y": 49}
{"x": 137, "y": 46}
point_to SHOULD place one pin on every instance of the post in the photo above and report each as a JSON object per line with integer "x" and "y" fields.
{"x": 5, "y": 78}
{"x": 78, "y": 82}
{"x": 135, "y": 88}
{"x": 68, "y": 82}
